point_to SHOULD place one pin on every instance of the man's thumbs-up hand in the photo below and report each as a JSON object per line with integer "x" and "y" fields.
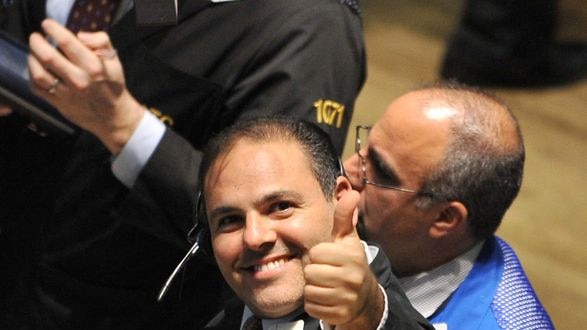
{"x": 340, "y": 288}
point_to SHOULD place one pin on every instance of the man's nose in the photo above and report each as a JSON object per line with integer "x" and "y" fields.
{"x": 259, "y": 232}
{"x": 353, "y": 172}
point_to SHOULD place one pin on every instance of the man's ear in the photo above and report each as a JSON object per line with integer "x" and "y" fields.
{"x": 342, "y": 184}
{"x": 452, "y": 217}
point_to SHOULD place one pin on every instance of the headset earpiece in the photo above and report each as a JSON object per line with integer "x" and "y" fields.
{"x": 199, "y": 238}
{"x": 200, "y": 232}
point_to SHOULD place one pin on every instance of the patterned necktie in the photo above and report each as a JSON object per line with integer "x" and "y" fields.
{"x": 91, "y": 15}
{"x": 253, "y": 323}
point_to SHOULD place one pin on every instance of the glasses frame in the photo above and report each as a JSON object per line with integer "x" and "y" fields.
{"x": 363, "y": 163}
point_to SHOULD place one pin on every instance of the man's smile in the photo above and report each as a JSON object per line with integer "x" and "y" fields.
{"x": 267, "y": 264}
{"x": 270, "y": 265}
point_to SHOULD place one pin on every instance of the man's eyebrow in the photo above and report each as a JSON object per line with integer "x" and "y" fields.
{"x": 382, "y": 167}
{"x": 268, "y": 198}
{"x": 221, "y": 210}
{"x": 278, "y": 196}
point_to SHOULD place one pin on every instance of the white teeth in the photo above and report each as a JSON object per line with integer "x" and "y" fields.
{"x": 269, "y": 266}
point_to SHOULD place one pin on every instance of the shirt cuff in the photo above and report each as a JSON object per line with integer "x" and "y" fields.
{"x": 381, "y": 325}
{"x": 127, "y": 165}
{"x": 385, "y": 310}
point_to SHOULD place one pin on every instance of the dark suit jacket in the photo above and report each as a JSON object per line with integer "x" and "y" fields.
{"x": 98, "y": 252}
{"x": 401, "y": 314}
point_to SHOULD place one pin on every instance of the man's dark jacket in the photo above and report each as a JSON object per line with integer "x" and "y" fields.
{"x": 82, "y": 251}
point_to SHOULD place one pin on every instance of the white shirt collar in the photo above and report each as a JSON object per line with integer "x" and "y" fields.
{"x": 428, "y": 290}
{"x": 283, "y": 323}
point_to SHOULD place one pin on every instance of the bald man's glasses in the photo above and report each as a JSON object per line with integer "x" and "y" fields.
{"x": 370, "y": 173}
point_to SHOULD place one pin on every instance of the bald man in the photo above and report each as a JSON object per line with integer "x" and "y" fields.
{"x": 436, "y": 174}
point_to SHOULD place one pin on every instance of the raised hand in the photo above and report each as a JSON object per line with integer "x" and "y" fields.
{"x": 84, "y": 79}
{"x": 340, "y": 288}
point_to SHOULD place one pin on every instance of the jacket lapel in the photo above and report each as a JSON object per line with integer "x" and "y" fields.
{"x": 311, "y": 323}
{"x": 230, "y": 317}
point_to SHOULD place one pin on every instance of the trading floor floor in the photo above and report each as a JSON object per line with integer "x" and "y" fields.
{"x": 547, "y": 225}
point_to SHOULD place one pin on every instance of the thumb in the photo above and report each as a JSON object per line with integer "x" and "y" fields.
{"x": 345, "y": 215}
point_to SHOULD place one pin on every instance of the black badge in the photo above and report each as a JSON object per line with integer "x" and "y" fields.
{"x": 156, "y": 12}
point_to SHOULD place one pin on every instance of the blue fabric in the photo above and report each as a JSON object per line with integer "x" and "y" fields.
{"x": 495, "y": 295}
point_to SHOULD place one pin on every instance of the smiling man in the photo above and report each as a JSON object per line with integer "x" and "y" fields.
{"x": 282, "y": 227}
